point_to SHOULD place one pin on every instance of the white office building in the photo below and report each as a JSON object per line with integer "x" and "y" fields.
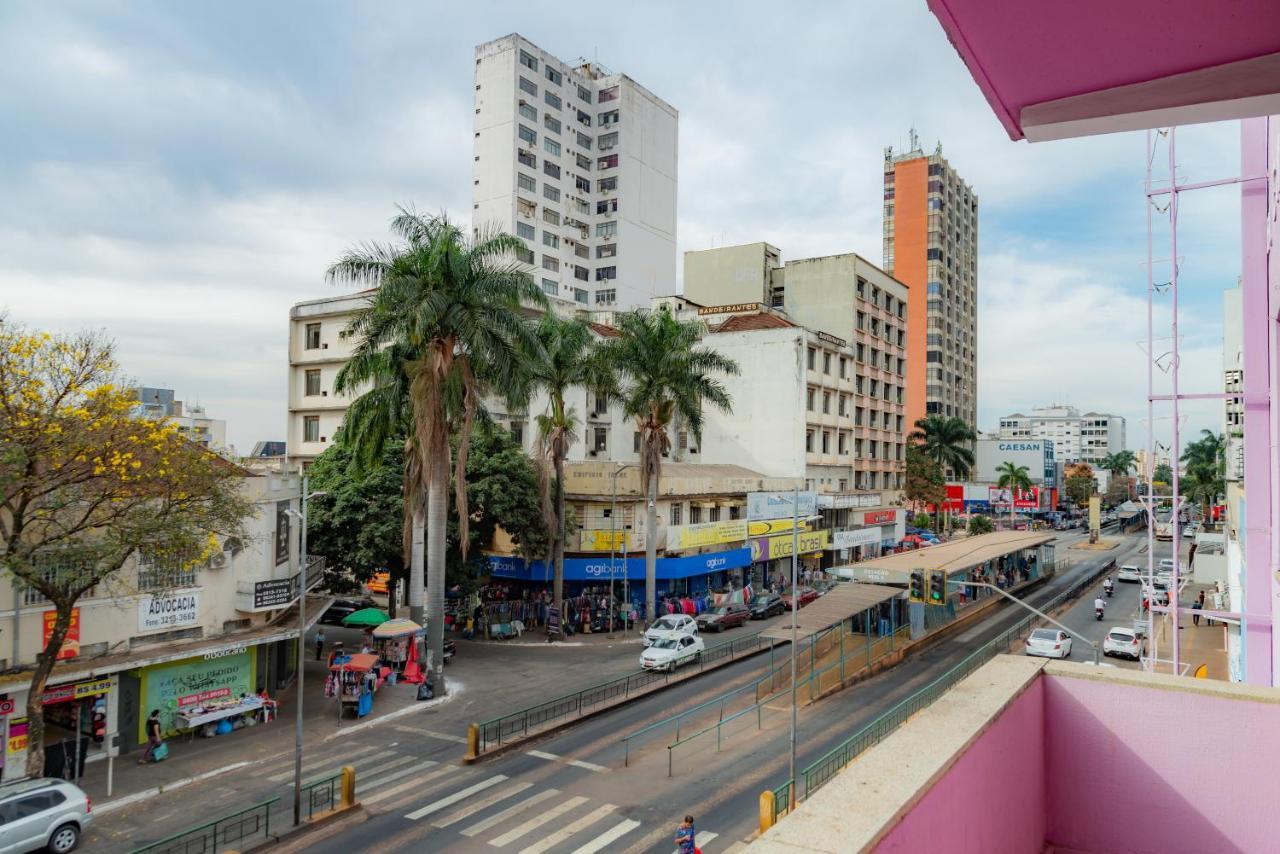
{"x": 580, "y": 163}
{"x": 1076, "y": 438}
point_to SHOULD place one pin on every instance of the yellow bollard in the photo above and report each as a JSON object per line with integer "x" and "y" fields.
{"x": 766, "y": 810}
{"x": 473, "y": 742}
{"x": 348, "y": 786}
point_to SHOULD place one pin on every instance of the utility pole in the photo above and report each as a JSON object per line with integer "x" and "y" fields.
{"x": 302, "y": 647}
{"x": 1036, "y": 611}
{"x": 795, "y": 594}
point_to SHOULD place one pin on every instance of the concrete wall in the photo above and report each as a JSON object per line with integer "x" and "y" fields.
{"x": 732, "y": 274}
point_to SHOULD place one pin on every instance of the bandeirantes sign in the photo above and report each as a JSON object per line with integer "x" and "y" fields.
{"x": 732, "y": 308}
{"x": 778, "y": 505}
{"x": 830, "y": 339}
{"x": 168, "y": 610}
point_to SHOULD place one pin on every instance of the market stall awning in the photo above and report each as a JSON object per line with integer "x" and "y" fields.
{"x": 840, "y": 603}
{"x": 954, "y": 557}
{"x": 357, "y": 663}
{"x": 1053, "y": 70}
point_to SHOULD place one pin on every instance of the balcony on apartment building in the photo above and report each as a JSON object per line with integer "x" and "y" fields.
{"x": 1027, "y": 755}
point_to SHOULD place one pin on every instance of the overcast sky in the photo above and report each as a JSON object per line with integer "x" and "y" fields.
{"x": 180, "y": 174}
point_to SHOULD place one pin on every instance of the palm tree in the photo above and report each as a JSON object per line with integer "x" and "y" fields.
{"x": 451, "y": 305}
{"x": 1205, "y": 464}
{"x": 566, "y": 358}
{"x": 1015, "y": 479}
{"x": 665, "y": 375}
{"x": 946, "y": 440}
{"x": 980, "y": 525}
{"x": 1119, "y": 464}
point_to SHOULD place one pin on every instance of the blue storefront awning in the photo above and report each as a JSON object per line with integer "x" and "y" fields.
{"x": 603, "y": 568}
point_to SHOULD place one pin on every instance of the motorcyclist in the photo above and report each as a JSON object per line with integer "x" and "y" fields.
{"x": 1108, "y": 585}
{"x": 1099, "y": 606}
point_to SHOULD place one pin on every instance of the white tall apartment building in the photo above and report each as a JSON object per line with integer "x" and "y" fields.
{"x": 1076, "y": 438}
{"x": 580, "y": 163}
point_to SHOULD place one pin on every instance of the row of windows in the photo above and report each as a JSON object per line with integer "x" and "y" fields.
{"x": 815, "y": 442}
{"x": 874, "y": 418}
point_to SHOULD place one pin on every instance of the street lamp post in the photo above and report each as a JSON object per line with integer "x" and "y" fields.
{"x": 302, "y": 646}
{"x": 613, "y": 540}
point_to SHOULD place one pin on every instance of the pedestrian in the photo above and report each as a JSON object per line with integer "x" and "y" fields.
{"x": 319, "y": 644}
{"x": 1195, "y": 612}
{"x": 153, "y": 736}
{"x": 686, "y": 837}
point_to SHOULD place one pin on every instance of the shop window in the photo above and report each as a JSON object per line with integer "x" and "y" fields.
{"x": 677, "y": 511}
{"x": 695, "y": 514}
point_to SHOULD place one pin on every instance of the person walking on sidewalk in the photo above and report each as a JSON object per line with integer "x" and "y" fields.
{"x": 686, "y": 837}
{"x": 319, "y": 644}
{"x": 153, "y": 736}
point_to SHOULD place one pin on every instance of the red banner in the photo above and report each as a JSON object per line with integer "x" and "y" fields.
{"x": 878, "y": 517}
{"x": 71, "y": 643}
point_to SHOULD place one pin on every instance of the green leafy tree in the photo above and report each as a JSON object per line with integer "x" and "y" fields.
{"x": 1118, "y": 465}
{"x": 1162, "y": 474}
{"x": 925, "y": 483}
{"x": 1204, "y": 464}
{"x": 1015, "y": 479}
{"x": 664, "y": 375}
{"x": 922, "y": 520}
{"x": 453, "y": 306}
{"x": 948, "y": 442}
{"x": 980, "y": 525}
{"x": 1079, "y": 483}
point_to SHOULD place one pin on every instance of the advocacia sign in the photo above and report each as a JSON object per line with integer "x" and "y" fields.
{"x": 168, "y": 610}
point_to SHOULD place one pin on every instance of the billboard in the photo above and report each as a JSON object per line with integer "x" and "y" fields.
{"x": 705, "y": 534}
{"x": 1023, "y": 499}
{"x": 769, "y": 548}
{"x": 1036, "y": 454}
{"x": 777, "y": 505}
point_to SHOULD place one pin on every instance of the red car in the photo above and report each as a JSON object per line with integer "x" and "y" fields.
{"x": 724, "y": 617}
{"x": 807, "y": 595}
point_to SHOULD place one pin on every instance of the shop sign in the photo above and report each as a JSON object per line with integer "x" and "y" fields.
{"x": 168, "y": 610}
{"x": 177, "y": 685}
{"x": 778, "y": 505}
{"x": 282, "y": 532}
{"x": 17, "y": 735}
{"x": 849, "y": 500}
{"x": 1023, "y": 499}
{"x": 6, "y": 707}
{"x": 71, "y": 643}
{"x": 276, "y": 592}
{"x": 681, "y": 537}
{"x": 76, "y": 691}
{"x": 773, "y": 526}
{"x": 605, "y": 540}
{"x": 630, "y": 568}
{"x": 769, "y": 548}
{"x": 830, "y": 339}
{"x": 858, "y": 537}
{"x": 733, "y": 308}
{"x": 224, "y": 653}
{"x": 879, "y": 517}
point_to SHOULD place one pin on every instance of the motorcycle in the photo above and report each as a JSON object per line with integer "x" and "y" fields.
{"x": 1109, "y": 590}
{"x": 1097, "y": 614}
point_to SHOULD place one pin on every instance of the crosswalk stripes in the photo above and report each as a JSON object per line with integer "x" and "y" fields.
{"x": 483, "y": 803}
{"x": 568, "y": 830}
{"x": 311, "y": 768}
{"x": 415, "y": 783}
{"x": 703, "y": 838}
{"x": 614, "y": 833}
{"x": 537, "y": 821}
{"x": 497, "y": 818}
{"x": 455, "y": 797}
{"x": 364, "y": 784}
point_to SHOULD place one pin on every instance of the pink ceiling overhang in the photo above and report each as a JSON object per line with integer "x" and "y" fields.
{"x": 1052, "y": 69}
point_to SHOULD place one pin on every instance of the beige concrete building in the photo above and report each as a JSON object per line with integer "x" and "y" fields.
{"x": 317, "y": 351}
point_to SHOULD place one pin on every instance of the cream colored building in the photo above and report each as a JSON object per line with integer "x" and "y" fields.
{"x": 317, "y": 351}
{"x": 163, "y": 636}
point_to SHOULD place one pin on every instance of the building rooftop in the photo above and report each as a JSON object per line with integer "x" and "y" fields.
{"x": 750, "y": 322}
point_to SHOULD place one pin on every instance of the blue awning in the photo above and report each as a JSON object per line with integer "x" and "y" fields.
{"x": 632, "y": 568}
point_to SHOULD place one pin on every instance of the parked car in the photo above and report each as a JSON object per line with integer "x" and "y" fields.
{"x": 1129, "y": 572}
{"x": 807, "y": 595}
{"x": 670, "y": 626}
{"x": 343, "y": 608}
{"x": 724, "y": 617}
{"x": 670, "y": 652}
{"x": 1050, "y": 643}
{"x": 45, "y": 813}
{"x": 1123, "y": 643}
{"x": 767, "y": 605}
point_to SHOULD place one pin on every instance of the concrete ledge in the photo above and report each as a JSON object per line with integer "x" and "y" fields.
{"x": 861, "y": 804}
{"x": 1163, "y": 681}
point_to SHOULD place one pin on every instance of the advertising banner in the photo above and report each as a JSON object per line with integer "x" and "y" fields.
{"x": 76, "y": 691}
{"x": 71, "y": 643}
{"x": 859, "y": 537}
{"x": 681, "y": 537}
{"x": 276, "y": 593}
{"x": 773, "y": 526}
{"x": 605, "y": 540}
{"x": 844, "y": 502}
{"x": 769, "y": 548}
{"x": 1023, "y": 499}
{"x": 282, "y": 532}
{"x": 879, "y": 517}
{"x": 176, "y": 686}
{"x": 632, "y": 568}
{"x": 168, "y": 610}
{"x": 777, "y": 505}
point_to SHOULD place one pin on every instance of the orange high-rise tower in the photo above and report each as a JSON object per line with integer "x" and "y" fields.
{"x": 931, "y": 245}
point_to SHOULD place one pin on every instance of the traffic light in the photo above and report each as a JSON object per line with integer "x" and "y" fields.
{"x": 915, "y": 592}
{"x": 937, "y": 587}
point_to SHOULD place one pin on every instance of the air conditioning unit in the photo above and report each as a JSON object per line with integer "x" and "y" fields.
{"x": 217, "y": 560}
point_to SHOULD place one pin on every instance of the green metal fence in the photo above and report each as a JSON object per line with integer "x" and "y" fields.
{"x": 231, "y": 832}
{"x": 322, "y": 795}
{"x": 518, "y": 725}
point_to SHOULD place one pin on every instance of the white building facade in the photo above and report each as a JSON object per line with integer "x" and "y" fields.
{"x": 317, "y": 351}
{"x": 1076, "y": 437}
{"x": 581, "y": 164}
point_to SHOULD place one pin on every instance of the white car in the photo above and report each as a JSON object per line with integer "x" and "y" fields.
{"x": 1123, "y": 643}
{"x": 670, "y": 626}
{"x": 1166, "y": 566}
{"x": 1050, "y": 643}
{"x": 671, "y": 652}
{"x": 1189, "y": 532}
{"x": 1129, "y": 572}
{"x": 47, "y": 813}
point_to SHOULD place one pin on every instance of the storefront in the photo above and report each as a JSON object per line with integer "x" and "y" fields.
{"x": 771, "y": 556}
{"x": 77, "y": 718}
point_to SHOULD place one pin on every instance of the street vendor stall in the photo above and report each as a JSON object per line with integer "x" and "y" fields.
{"x": 236, "y": 712}
{"x": 354, "y": 679}
{"x": 393, "y": 641}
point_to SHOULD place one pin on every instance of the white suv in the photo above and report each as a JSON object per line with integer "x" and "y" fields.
{"x": 45, "y": 813}
{"x": 1122, "y": 642}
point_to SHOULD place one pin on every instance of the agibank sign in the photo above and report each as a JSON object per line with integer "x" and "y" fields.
{"x": 600, "y": 568}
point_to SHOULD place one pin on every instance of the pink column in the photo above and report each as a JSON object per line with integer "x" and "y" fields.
{"x": 1261, "y": 477}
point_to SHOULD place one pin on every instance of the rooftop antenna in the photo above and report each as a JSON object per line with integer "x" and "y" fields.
{"x": 915, "y": 139}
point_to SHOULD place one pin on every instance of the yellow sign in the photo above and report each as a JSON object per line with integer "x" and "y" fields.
{"x": 706, "y": 534}
{"x": 772, "y": 526}
{"x": 1095, "y": 513}
{"x": 810, "y": 541}
{"x": 605, "y": 541}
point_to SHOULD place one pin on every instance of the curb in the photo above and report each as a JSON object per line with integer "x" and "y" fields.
{"x": 317, "y": 829}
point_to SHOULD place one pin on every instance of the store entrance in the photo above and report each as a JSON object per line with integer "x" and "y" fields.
{"x": 74, "y": 733}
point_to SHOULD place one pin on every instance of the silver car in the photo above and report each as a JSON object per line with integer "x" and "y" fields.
{"x": 46, "y": 813}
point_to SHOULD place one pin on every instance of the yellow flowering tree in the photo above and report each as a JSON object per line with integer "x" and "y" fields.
{"x": 86, "y": 485}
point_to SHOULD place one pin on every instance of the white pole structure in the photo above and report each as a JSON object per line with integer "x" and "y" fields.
{"x": 795, "y": 596}
{"x": 302, "y": 649}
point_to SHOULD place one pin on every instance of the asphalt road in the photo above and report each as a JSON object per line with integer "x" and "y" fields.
{"x": 571, "y": 791}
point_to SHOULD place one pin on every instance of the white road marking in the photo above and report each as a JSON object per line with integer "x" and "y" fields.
{"x": 700, "y": 840}
{"x": 443, "y": 736}
{"x": 313, "y": 767}
{"x": 482, "y": 826}
{"x": 568, "y": 830}
{"x": 577, "y": 763}
{"x": 537, "y": 821}
{"x": 378, "y": 782}
{"x": 487, "y": 801}
{"x": 417, "y": 782}
{"x": 617, "y": 831}
{"x": 455, "y": 797}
